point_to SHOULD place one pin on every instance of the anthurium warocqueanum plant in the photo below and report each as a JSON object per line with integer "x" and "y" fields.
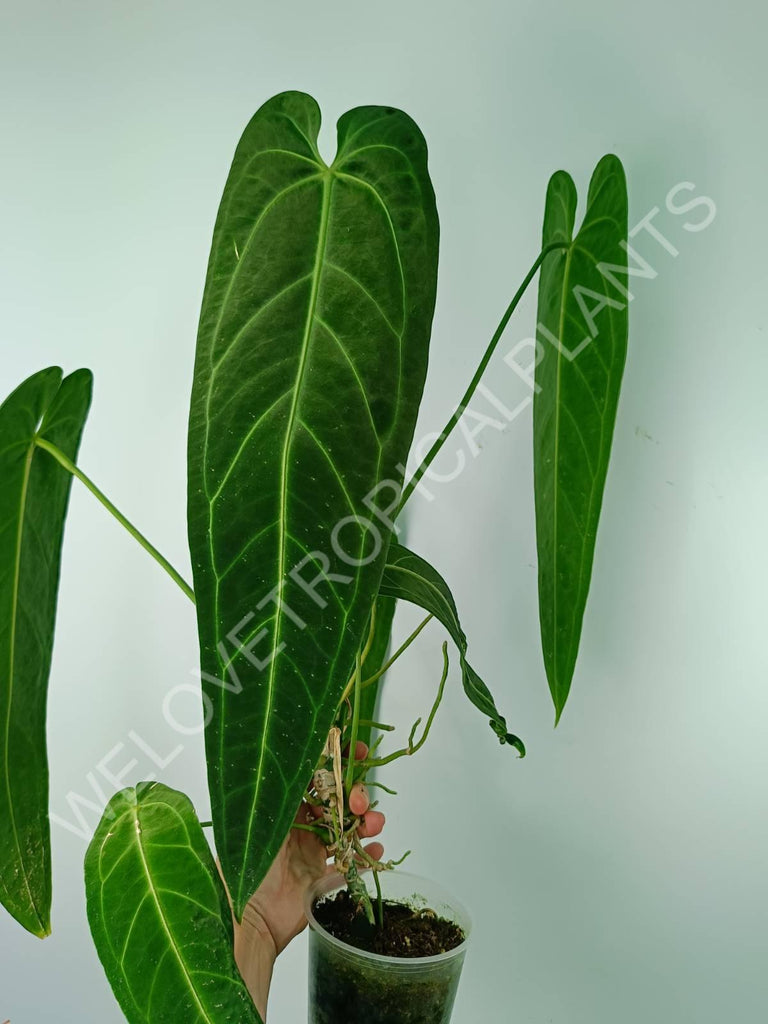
{"x": 311, "y": 359}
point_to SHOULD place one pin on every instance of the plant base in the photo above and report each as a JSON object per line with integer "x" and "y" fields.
{"x": 354, "y": 977}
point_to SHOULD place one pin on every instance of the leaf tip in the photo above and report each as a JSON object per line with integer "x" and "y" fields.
{"x": 518, "y": 744}
{"x": 82, "y": 374}
{"x": 610, "y": 161}
{"x": 559, "y": 703}
{"x": 507, "y": 738}
{"x": 32, "y": 920}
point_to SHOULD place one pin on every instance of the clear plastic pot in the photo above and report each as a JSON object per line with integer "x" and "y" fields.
{"x": 351, "y": 986}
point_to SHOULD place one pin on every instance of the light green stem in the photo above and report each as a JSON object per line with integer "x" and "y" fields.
{"x": 380, "y": 785}
{"x": 369, "y": 723}
{"x": 379, "y": 899}
{"x": 366, "y": 652}
{"x": 413, "y": 747}
{"x": 317, "y": 830}
{"x": 396, "y": 863}
{"x": 448, "y": 428}
{"x": 403, "y": 647}
{"x": 355, "y": 723}
{"x": 67, "y": 463}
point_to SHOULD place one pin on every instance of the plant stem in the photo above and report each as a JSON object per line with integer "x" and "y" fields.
{"x": 447, "y": 429}
{"x": 388, "y": 664}
{"x": 375, "y": 746}
{"x": 355, "y": 723}
{"x": 371, "y": 634}
{"x": 366, "y": 652}
{"x": 317, "y": 830}
{"x": 377, "y": 725}
{"x": 62, "y": 459}
{"x": 403, "y": 647}
{"x": 362, "y": 853}
{"x": 413, "y": 747}
{"x": 379, "y": 899}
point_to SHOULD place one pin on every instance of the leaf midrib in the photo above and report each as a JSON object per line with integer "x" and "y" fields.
{"x": 158, "y": 906}
{"x": 399, "y": 567}
{"x": 322, "y": 241}
{"x": 573, "y": 246}
{"x": 217, "y": 586}
{"x": 11, "y": 667}
{"x": 555, "y": 460}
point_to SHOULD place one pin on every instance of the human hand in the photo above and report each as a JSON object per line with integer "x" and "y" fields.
{"x": 275, "y": 913}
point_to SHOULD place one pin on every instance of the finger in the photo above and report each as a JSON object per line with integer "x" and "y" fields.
{"x": 358, "y": 799}
{"x": 371, "y": 824}
{"x": 224, "y": 883}
{"x": 375, "y": 851}
{"x": 307, "y": 813}
{"x": 361, "y": 751}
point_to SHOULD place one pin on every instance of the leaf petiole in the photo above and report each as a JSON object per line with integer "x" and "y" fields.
{"x": 363, "y": 656}
{"x": 401, "y": 649}
{"x": 459, "y": 411}
{"x": 371, "y": 634}
{"x": 355, "y": 724}
{"x": 67, "y": 463}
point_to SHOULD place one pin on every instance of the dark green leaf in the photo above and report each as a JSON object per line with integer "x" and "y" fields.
{"x": 409, "y": 577}
{"x": 312, "y": 352}
{"x": 33, "y": 505}
{"x": 159, "y": 914}
{"x": 582, "y": 329}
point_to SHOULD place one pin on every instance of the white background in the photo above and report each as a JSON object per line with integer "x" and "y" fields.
{"x": 618, "y": 873}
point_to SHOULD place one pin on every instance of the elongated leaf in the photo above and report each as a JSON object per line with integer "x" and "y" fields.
{"x": 311, "y": 357}
{"x": 159, "y": 914}
{"x": 34, "y": 492}
{"x": 410, "y": 577}
{"x": 583, "y": 325}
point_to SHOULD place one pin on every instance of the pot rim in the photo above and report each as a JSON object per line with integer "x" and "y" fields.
{"x": 329, "y": 883}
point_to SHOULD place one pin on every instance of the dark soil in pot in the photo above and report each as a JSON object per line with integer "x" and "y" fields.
{"x": 407, "y": 932}
{"x": 347, "y": 988}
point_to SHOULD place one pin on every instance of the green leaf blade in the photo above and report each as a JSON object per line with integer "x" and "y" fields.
{"x": 311, "y": 359}
{"x": 159, "y": 915}
{"x": 582, "y": 328}
{"x": 409, "y": 577}
{"x": 33, "y": 505}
